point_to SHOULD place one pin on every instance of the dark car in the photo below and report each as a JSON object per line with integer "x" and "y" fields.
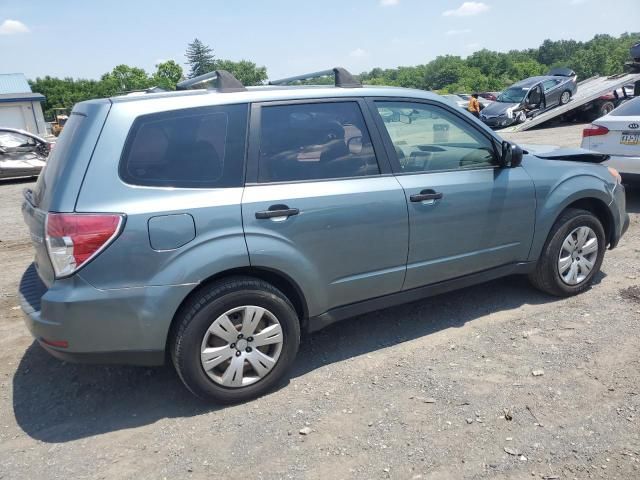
{"x": 22, "y": 154}
{"x": 530, "y": 97}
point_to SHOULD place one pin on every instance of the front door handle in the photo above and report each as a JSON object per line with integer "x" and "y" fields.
{"x": 427, "y": 194}
{"x": 277, "y": 211}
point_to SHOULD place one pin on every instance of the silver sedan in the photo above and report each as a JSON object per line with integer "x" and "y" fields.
{"x": 22, "y": 154}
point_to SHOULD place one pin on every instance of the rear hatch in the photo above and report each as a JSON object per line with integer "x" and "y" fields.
{"x": 59, "y": 183}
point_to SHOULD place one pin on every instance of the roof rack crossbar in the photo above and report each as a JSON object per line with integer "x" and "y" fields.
{"x": 343, "y": 78}
{"x": 225, "y": 82}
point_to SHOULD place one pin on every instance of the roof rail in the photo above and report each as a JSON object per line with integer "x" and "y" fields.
{"x": 344, "y": 79}
{"x": 225, "y": 81}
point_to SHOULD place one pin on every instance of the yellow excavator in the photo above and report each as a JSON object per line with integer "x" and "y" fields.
{"x": 60, "y": 117}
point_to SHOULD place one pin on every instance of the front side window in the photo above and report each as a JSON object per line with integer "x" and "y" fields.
{"x": 191, "y": 148}
{"x": 429, "y": 138}
{"x": 314, "y": 141}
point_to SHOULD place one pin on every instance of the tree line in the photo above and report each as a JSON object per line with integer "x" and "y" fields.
{"x": 484, "y": 70}
{"x": 65, "y": 92}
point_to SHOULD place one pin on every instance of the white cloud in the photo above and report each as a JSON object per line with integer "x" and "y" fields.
{"x": 467, "y": 9}
{"x": 458, "y": 32}
{"x": 358, "y": 52}
{"x": 389, "y": 3}
{"x": 12, "y": 27}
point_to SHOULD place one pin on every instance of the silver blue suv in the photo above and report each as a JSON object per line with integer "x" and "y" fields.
{"x": 212, "y": 226}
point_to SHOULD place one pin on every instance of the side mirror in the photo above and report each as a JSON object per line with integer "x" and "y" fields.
{"x": 511, "y": 155}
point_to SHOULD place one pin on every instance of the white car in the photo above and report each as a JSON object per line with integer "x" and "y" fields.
{"x": 618, "y": 135}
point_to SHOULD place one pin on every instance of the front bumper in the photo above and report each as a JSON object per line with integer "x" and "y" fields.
{"x": 619, "y": 214}
{"x": 497, "y": 122}
{"x": 124, "y": 326}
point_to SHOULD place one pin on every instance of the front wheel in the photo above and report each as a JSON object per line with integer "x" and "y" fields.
{"x": 235, "y": 339}
{"x": 572, "y": 254}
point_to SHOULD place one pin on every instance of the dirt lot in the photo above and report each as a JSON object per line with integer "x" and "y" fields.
{"x": 442, "y": 388}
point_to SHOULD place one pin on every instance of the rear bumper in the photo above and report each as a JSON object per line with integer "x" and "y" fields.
{"x": 626, "y": 165}
{"x": 124, "y": 326}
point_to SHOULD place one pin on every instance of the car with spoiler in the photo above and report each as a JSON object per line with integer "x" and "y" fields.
{"x": 211, "y": 227}
{"x": 530, "y": 97}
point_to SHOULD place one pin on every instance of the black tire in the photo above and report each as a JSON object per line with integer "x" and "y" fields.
{"x": 546, "y": 276}
{"x": 564, "y": 99}
{"x": 203, "y": 308}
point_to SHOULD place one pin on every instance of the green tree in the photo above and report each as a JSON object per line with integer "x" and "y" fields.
{"x": 124, "y": 78}
{"x": 247, "y": 72}
{"x": 167, "y": 75}
{"x": 200, "y": 58}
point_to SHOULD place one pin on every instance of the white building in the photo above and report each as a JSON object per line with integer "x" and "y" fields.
{"x": 19, "y": 106}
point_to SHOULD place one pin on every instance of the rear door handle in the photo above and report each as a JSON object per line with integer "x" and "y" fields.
{"x": 427, "y": 194}
{"x": 277, "y": 211}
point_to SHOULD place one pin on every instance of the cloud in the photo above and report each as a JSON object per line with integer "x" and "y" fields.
{"x": 12, "y": 27}
{"x": 389, "y": 3}
{"x": 467, "y": 9}
{"x": 358, "y": 52}
{"x": 458, "y": 32}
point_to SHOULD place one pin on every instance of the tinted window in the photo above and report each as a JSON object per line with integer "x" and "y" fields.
{"x": 200, "y": 147}
{"x": 429, "y": 138}
{"x": 628, "y": 109}
{"x": 314, "y": 141}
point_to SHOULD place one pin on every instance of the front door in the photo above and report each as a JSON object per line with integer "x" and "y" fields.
{"x": 321, "y": 205}
{"x": 466, "y": 214}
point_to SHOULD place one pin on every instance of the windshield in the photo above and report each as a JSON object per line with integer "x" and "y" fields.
{"x": 513, "y": 95}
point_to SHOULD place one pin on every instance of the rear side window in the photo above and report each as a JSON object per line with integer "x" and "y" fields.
{"x": 191, "y": 148}
{"x": 314, "y": 141}
{"x": 628, "y": 109}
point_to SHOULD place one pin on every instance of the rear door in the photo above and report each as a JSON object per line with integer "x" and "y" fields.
{"x": 320, "y": 203}
{"x": 551, "y": 92}
{"x": 466, "y": 214}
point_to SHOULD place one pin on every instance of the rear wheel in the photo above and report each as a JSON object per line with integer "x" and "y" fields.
{"x": 565, "y": 97}
{"x": 572, "y": 254}
{"x": 235, "y": 340}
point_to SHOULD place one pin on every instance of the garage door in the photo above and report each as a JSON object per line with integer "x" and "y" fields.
{"x": 11, "y": 116}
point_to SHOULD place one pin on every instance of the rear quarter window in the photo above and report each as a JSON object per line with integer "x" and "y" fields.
{"x": 191, "y": 148}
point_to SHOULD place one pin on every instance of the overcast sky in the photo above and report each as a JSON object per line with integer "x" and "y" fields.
{"x": 75, "y": 38}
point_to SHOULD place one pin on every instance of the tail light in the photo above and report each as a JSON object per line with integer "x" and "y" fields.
{"x": 594, "y": 131}
{"x": 73, "y": 239}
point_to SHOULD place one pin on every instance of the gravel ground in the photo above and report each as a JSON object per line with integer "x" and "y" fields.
{"x": 443, "y": 388}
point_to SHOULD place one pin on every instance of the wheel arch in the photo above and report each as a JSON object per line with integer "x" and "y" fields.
{"x": 278, "y": 279}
